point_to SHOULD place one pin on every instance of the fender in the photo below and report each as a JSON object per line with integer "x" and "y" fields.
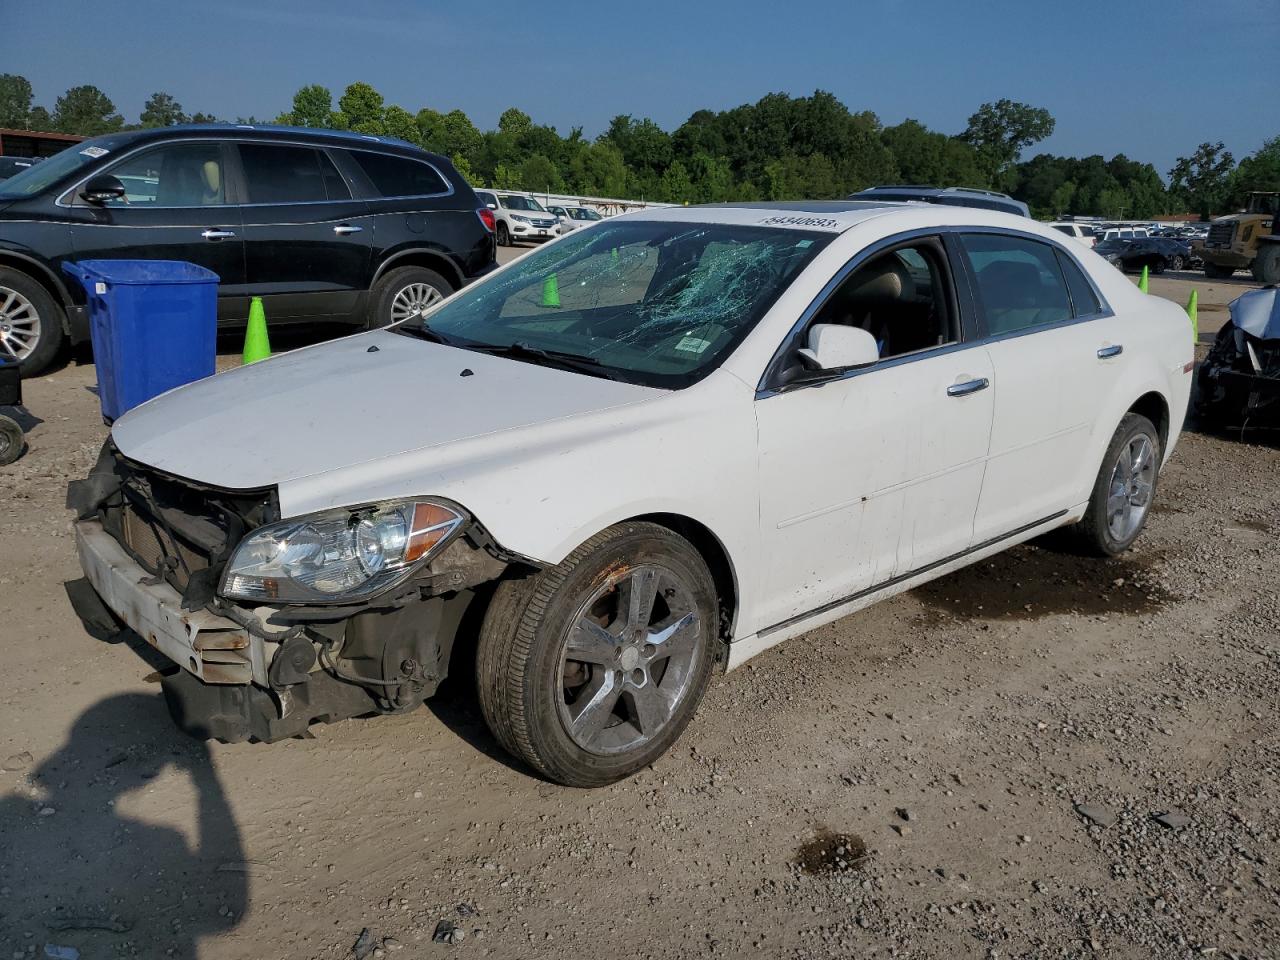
{"x": 41, "y": 272}
{"x": 406, "y": 251}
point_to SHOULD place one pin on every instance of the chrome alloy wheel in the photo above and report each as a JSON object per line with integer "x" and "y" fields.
{"x": 19, "y": 325}
{"x": 628, "y": 659}
{"x": 1132, "y": 480}
{"x": 413, "y": 300}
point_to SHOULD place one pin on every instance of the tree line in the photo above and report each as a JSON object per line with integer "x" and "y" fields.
{"x": 778, "y": 148}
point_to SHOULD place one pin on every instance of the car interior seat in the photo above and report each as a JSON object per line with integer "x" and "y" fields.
{"x": 877, "y": 298}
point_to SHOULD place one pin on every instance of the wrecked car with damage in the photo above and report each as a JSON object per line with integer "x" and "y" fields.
{"x": 1238, "y": 383}
{"x": 643, "y": 453}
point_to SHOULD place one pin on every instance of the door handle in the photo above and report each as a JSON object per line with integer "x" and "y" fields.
{"x": 968, "y": 387}
{"x": 1111, "y": 350}
{"x": 345, "y": 229}
{"x": 218, "y": 235}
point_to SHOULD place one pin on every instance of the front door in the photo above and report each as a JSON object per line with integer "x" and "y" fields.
{"x": 307, "y": 242}
{"x": 875, "y": 475}
{"x": 176, "y": 207}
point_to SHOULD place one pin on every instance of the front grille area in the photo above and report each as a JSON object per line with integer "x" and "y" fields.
{"x": 1221, "y": 234}
{"x": 161, "y": 552}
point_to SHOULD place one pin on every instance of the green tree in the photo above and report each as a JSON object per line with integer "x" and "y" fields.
{"x": 199, "y": 117}
{"x": 539, "y": 173}
{"x": 86, "y": 111}
{"x": 1001, "y": 130}
{"x": 399, "y": 122}
{"x": 506, "y": 178}
{"x": 1203, "y": 178}
{"x": 162, "y": 110}
{"x": 430, "y": 128}
{"x": 675, "y": 185}
{"x": 598, "y": 169}
{"x": 464, "y": 169}
{"x": 927, "y": 157}
{"x": 1258, "y": 171}
{"x": 514, "y": 122}
{"x": 15, "y": 101}
{"x": 312, "y": 107}
{"x": 361, "y": 106}
{"x": 459, "y": 136}
{"x": 645, "y": 146}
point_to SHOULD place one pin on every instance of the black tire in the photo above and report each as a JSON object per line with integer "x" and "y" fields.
{"x": 1215, "y": 272}
{"x": 1094, "y": 533}
{"x": 11, "y": 441}
{"x": 1176, "y": 262}
{"x": 1266, "y": 265}
{"x": 1159, "y": 265}
{"x": 397, "y": 281}
{"x": 51, "y": 319}
{"x": 522, "y": 663}
{"x": 503, "y": 235}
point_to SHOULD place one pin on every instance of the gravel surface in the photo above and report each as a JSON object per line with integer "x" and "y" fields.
{"x": 1040, "y": 756}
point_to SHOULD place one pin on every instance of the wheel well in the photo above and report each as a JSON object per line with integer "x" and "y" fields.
{"x": 716, "y": 557}
{"x": 1153, "y": 407}
{"x": 424, "y": 258}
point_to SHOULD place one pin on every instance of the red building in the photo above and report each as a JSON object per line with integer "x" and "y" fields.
{"x": 33, "y": 143}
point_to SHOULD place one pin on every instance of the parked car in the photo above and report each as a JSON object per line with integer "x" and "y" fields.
{"x": 732, "y": 424}
{"x": 948, "y": 196}
{"x": 1077, "y": 231}
{"x": 11, "y": 165}
{"x": 1123, "y": 233}
{"x": 519, "y": 217}
{"x": 324, "y": 226}
{"x": 1239, "y": 381}
{"x": 1157, "y": 254}
{"x": 571, "y": 216}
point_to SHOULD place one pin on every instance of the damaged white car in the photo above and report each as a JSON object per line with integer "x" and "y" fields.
{"x": 647, "y": 450}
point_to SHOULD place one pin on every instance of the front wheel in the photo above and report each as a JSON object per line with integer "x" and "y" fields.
{"x": 1124, "y": 489}
{"x": 405, "y": 293}
{"x": 1176, "y": 262}
{"x": 503, "y": 235}
{"x": 589, "y": 671}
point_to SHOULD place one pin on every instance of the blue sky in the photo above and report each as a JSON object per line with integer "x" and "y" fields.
{"x": 1147, "y": 79}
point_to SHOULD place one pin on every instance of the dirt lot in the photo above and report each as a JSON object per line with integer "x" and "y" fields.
{"x": 970, "y": 770}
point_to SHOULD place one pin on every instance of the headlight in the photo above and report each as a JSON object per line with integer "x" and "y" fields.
{"x": 338, "y": 556}
{"x": 520, "y": 218}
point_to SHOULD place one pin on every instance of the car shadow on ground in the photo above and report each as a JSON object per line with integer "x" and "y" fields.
{"x": 81, "y": 873}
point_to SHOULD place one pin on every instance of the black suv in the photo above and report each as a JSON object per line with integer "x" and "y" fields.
{"x": 323, "y": 225}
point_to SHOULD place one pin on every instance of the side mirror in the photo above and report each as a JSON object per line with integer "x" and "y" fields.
{"x": 102, "y": 189}
{"x": 833, "y": 346}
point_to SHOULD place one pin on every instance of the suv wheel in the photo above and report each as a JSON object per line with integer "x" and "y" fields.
{"x": 30, "y": 323}
{"x": 405, "y": 293}
{"x": 503, "y": 234}
{"x": 589, "y": 670}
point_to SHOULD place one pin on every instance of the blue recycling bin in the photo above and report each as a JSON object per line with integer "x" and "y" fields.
{"x": 154, "y": 327}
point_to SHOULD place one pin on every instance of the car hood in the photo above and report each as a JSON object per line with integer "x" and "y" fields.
{"x": 347, "y": 402}
{"x": 1258, "y": 313}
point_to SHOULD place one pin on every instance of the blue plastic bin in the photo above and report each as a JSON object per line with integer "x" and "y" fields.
{"x": 154, "y": 327}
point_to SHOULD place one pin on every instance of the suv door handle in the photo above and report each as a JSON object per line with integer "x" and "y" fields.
{"x": 968, "y": 387}
{"x": 218, "y": 235}
{"x": 1111, "y": 350}
{"x": 345, "y": 229}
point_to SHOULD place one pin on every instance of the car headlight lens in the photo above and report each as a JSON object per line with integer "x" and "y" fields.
{"x": 515, "y": 216}
{"x": 338, "y": 556}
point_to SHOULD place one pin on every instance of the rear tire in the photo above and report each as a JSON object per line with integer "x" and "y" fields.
{"x": 12, "y": 441}
{"x": 31, "y": 323}
{"x": 1215, "y": 272}
{"x": 401, "y": 293}
{"x": 590, "y": 670}
{"x": 1266, "y": 265}
{"x": 1122, "y": 496}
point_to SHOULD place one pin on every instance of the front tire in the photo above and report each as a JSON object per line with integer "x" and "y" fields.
{"x": 590, "y": 670}
{"x": 404, "y": 293}
{"x": 503, "y": 235}
{"x": 31, "y": 329}
{"x": 1123, "y": 491}
{"x": 1266, "y": 265}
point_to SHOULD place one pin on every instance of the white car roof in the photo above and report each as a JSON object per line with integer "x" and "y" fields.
{"x": 836, "y": 216}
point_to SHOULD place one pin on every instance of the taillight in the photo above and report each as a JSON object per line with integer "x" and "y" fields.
{"x": 487, "y": 218}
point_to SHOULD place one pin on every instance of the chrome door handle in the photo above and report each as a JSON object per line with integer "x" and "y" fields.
{"x": 345, "y": 229}
{"x": 218, "y": 235}
{"x": 1112, "y": 350}
{"x": 968, "y": 387}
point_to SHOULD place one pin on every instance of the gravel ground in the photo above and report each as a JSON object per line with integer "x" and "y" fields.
{"x": 1040, "y": 756}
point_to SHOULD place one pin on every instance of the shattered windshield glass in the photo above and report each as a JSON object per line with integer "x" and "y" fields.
{"x": 655, "y": 302}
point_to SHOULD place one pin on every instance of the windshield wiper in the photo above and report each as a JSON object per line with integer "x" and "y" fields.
{"x": 551, "y": 358}
{"x": 423, "y": 332}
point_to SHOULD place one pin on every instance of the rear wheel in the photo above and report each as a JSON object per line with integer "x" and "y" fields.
{"x": 1266, "y": 265}
{"x": 1215, "y": 272}
{"x": 1124, "y": 489}
{"x": 30, "y": 323}
{"x": 1176, "y": 262}
{"x": 11, "y": 441}
{"x": 590, "y": 670}
{"x": 405, "y": 293}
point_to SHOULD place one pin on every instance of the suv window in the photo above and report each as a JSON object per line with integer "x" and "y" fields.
{"x": 1084, "y": 302}
{"x": 521, "y": 203}
{"x": 174, "y": 175}
{"x": 1019, "y": 281}
{"x": 1063, "y": 228}
{"x": 399, "y": 176}
{"x": 278, "y": 174}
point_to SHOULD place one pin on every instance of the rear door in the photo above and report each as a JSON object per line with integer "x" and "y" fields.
{"x": 178, "y": 205}
{"x": 307, "y": 241}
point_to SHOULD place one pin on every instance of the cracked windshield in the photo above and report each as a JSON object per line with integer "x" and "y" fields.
{"x": 655, "y": 303}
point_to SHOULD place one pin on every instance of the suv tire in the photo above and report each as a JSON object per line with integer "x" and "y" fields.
{"x": 401, "y": 290}
{"x": 503, "y": 235}
{"x": 29, "y": 308}
{"x": 638, "y": 606}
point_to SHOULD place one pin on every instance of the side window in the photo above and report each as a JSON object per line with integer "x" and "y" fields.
{"x": 1019, "y": 281}
{"x": 1084, "y": 302}
{"x": 1063, "y": 228}
{"x": 278, "y": 174}
{"x": 174, "y": 175}
{"x": 399, "y": 176}
{"x": 900, "y": 297}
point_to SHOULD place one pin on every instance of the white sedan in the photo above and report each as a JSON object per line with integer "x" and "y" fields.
{"x": 657, "y": 446}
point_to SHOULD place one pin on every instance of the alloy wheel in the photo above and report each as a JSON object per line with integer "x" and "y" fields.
{"x": 413, "y": 300}
{"x": 1132, "y": 481}
{"x": 19, "y": 325}
{"x": 628, "y": 660}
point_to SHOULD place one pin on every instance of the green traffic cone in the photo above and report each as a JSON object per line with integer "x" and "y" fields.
{"x": 551, "y": 292}
{"x": 256, "y": 345}
{"x": 1144, "y": 280}
{"x": 1192, "y": 303}
{"x": 614, "y": 254}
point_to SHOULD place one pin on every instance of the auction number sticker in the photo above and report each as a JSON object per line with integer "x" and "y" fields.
{"x": 93, "y": 153}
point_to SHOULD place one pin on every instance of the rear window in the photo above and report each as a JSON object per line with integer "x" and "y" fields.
{"x": 1084, "y": 302}
{"x": 400, "y": 176}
